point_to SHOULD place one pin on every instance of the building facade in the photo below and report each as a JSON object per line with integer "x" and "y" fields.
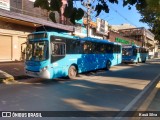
{"x": 116, "y": 37}
{"x": 110, "y": 32}
{"x": 122, "y": 26}
{"x": 18, "y": 18}
{"x": 13, "y": 33}
{"x": 141, "y": 35}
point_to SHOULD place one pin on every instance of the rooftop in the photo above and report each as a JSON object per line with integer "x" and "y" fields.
{"x": 30, "y": 21}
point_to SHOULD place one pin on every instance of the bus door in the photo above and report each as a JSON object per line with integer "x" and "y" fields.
{"x": 136, "y": 54}
{"x": 58, "y": 48}
{"x": 58, "y": 63}
{"x": 117, "y": 52}
{"x": 23, "y": 50}
{"x": 58, "y": 51}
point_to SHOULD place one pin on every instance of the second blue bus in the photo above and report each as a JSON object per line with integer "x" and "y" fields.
{"x": 134, "y": 54}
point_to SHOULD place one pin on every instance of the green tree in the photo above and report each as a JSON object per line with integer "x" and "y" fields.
{"x": 54, "y": 6}
{"x": 149, "y": 9}
{"x": 75, "y": 14}
{"x": 151, "y": 15}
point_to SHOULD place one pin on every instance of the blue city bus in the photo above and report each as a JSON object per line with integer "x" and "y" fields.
{"x": 57, "y": 54}
{"x": 134, "y": 54}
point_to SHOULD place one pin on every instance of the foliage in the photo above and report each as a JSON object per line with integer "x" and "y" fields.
{"x": 149, "y": 9}
{"x": 55, "y": 5}
{"x": 76, "y": 14}
{"x": 44, "y": 4}
{"x": 151, "y": 15}
{"x": 156, "y": 30}
{"x": 52, "y": 16}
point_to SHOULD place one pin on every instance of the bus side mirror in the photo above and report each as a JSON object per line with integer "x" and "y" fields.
{"x": 23, "y": 51}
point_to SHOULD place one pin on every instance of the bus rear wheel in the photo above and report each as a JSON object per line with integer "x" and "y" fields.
{"x": 137, "y": 61}
{"x": 108, "y": 65}
{"x": 144, "y": 60}
{"x": 72, "y": 72}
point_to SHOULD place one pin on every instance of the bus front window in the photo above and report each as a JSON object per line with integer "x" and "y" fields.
{"x": 127, "y": 51}
{"x": 37, "y": 51}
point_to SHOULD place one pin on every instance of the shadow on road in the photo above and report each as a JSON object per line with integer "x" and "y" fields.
{"x": 91, "y": 91}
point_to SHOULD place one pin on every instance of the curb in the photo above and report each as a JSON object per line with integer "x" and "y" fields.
{"x": 139, "y": 99}
{"x": 148, "y": 102}
{"x": 150, "y": 98}
{"x": 3, "y": 62}
{"x": 6, "y": 78}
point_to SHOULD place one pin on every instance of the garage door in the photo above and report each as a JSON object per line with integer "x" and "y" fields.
{"x": 5, "y": 47}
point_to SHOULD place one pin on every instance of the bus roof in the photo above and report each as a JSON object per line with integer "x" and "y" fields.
{"x": 57, "y": 33}
{"x": 98, "y": 40}
{"x": 67, "y": 35}
{"x": 130, "y": 46}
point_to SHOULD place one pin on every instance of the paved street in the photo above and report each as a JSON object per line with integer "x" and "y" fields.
{"x": 93, "y": 91}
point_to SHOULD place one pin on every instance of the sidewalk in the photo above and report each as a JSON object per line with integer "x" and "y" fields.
{"x": 155, "y": 104}
{"x": 5, "y": 77}
{"x": 152, "y": 104}
{"x": 10, "y": 70}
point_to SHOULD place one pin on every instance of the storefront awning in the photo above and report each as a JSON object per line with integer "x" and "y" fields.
{"x": 26, "y": 20}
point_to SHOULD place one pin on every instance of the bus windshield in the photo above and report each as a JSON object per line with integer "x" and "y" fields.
{"x": 127, "y": 51}
{"x": 37, "y": 51}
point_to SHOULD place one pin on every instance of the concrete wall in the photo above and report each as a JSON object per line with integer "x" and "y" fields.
{"x": 18, "y": 33}
{"x": 12, "y": 26}
{"x": 27, "y": 7}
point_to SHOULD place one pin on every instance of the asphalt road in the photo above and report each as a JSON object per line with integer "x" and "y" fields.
{"x": 93, "y": 91}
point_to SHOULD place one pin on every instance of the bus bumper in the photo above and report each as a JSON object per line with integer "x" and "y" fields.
{"x": 127, "y": 61}
{"x": 42, "y": 74}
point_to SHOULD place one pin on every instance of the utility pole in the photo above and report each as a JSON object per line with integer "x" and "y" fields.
{"x": 88, "y": 17}
{"x": 62, "y": 18}
{"x": 22, "y": 6}
{"x": 88, "y": 7}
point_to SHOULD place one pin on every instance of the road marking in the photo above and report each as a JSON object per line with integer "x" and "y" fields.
{"x": 137, "y": 98}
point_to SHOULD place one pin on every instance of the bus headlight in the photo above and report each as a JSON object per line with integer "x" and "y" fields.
{"x": 44, "y": 69}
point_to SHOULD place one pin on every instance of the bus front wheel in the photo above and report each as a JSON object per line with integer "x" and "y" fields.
{"x": 108, "y": 65}
{"x": 72, "y": 72}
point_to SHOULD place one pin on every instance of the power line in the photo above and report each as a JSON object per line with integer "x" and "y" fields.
{"x": 122, "y": 16}
{"x": 103, "y": 14}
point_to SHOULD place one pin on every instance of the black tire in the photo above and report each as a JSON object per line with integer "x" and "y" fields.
{"x": 72, "y": 72}
{"x": 144, "y": 61}
{"x": 137, "y": 61}
{"x": 108, "y": 65}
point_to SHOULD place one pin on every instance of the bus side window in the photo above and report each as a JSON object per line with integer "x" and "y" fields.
{"x": 87, "y": 47}
{"x": 58, "y": 49}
